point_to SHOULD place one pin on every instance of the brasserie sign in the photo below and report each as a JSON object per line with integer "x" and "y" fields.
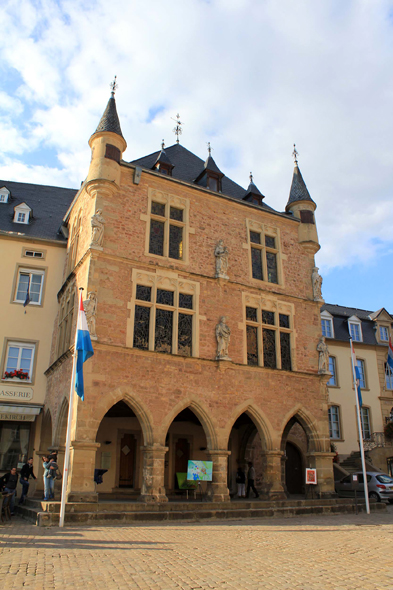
{"x": 9, "y": 393}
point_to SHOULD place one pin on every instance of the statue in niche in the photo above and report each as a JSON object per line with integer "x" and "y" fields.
{"x": 316, "y": 284}
{"x": 90, "y": 306}
{"x": 221, "y": 253}
{"x": 323, "y": 365}
{"x": 97, "y": 228}
{"x": 223, "y": 335}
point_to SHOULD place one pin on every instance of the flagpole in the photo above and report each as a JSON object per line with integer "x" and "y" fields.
{"x": 68, "y": 438}
{"x": 360, "y": 431}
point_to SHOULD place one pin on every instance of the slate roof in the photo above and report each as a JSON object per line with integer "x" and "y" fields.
{"x": 49, "y": 205}
{"x": 299, "y": 191}
{"x": 253, "y": 190}
{"x": 341, "y": 315}
{"x": 110, "y": 119}
{"x": 187, "y": 167}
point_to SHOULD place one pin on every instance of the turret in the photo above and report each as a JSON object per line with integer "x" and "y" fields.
{"x": 107, "y": 145}
{"x": 301, "y": 205}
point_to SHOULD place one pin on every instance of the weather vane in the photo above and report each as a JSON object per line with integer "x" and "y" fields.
{"x": 113, "y": 86}
{"x": 177, "y": 130}
{"x": 251, "y": 178}
{"x": 295, "y": 153}
{"x": 163, "y": 145}
{"x": 209, "y": 149}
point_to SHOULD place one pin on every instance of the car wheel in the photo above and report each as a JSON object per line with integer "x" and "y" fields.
{"x": 374, "y": 496}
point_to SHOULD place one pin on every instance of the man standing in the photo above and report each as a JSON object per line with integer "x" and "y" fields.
{"x": 250, "y": 481}
{"x": 9, "y": 481}
{"x": 25, "y": 473}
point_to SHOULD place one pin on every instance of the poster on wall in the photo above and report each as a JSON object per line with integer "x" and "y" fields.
{"x": 311, "y": 477}
{"x": 200, "y": 470}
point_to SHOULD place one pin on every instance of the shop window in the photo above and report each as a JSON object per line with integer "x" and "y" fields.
{"x": 268, "y": 335}
{"x": 334, "y": 422}
{"x": 14, "y": 444}
{"x": 31, "y": 281}
{"x": 19, "y": 362}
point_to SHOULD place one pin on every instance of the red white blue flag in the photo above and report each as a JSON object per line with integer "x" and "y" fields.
{"x": 390, "y": 354}
{"x": 83, "y": 347}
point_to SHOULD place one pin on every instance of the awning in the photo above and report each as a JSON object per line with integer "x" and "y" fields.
{"x": 22, "y": 413}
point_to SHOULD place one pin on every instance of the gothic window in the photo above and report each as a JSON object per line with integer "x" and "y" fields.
{"x": 268, "y": 336}
{"x": 264, "y": 256}
{"x": 167, "y": 229}
{"x": 66, "y": 314}
{"x": 163, "y": 320}
{"x": 73, "y": 243}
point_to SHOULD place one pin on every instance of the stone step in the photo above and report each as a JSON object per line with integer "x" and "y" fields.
{"x": 208, "y": 511}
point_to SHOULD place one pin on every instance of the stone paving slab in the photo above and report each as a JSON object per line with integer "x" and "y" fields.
{"x": 335, "y": 552}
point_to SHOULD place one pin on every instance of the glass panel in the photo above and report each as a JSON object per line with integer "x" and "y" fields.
{"x": 355, "y": 332}
{"x": 163, "y": 338}
{"x": 158, "y": 209}
{"x": 251, "y": 314}
{"x": 176, "y": 214}
{"x": 165, "y": 297}
{"x": 285, "y": 343}
{"x": 14, "y": 444}
{"x": 334, "y": 422}
{"x": 25, "y": 362}
{"x": 384, "y": 333}
{"x": 270, "y": 242}
{"x": 365, "y": 423}
{"x": 143, "y": 293}
{"x": 12, "y": 361}
{"x": 213, "y": 184}
{"x": 22, "y": 287}
{"x": 184, "y": 339}
{"x": 141, "y": 327}
{"x": 332, "y": 369}
{"x": 256, "y": 263}
{"x": 156, "y": 245}
{"x": 326, "y": 328}
{"x": 271, "y": 261}
{"x": 284, "y": 320}
{"x": 175, "y": 242}
{"x": 255, "y": 237}
{"x": 362, "y": 381}
{"x": 252, "y": 345}
{"x": 185, "y": 301}
{"x": 388, "y": 377}
{"x": 268, "y": 317}
{"x": 269, "y": 349}
{"x": 35, "y": 288}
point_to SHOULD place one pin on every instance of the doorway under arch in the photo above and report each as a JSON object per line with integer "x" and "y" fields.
{"x": 295, "y": 444}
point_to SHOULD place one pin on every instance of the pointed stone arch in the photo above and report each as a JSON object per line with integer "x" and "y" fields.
{"x": 46, "y": 431}
{"x": 60, "y": 429}
{"x": 307, "y": 421}
{"x": 201, "y": 413}
{"x": 258, "y": 417}
{"x": 142, "y": 413}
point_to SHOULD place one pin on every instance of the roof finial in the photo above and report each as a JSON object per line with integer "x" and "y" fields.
{"x": 163, "y": 145}
{"x": 177, "y": 130}
{"x": 295, "y": 153}
{"x": 251, "y": 178}
{"x": 113, "y": 87}
{"x": 209, "y": 149}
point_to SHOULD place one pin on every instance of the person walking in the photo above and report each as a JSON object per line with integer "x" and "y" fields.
{"x": 25, "y": 473}
{"x": 251, "y": 480}
{"x": 49, "y": 478}
{"x": 241, "y": 483}
{"x": 8, "y": 483}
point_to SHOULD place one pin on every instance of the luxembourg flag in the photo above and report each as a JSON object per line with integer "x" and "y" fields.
{"x": 83, "y": 347}
{"x": 390, "y": 354}
{"x": 357, "y": 374}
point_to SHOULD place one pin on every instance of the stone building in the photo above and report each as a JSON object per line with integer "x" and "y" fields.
{"x": 204, "y": 309}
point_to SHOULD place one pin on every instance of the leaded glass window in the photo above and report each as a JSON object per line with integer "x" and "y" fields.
{"x": 141, "y": 327}
{"x": 156, "y": 244}
{"x": 176, "y": 214}
{"x": 255, "y": 237}
{"x": 256, "y": 262}
{"x": 251, "y": 314}
{"x": 143, "y": 293}
{"x": 264, "y": 257}
{"x": 184, "y": 340}
{"x": 167, "y": 227}
{"x": 185, "y": 301}
{"x": 163, "y": 332}
{"x": 175, "y": 242}
{"x": 269, "y": 349}
{"x": 268, "y": 317}
{"x": 271, "y": 262}
{"x": 158, "y": 209}
{"x": 285, "y": 343}
{"x": 268, "y": 338}
{"x": 252, "y": 345}
{"x": 165, "y": 297}
{"x": 284, "y": 321}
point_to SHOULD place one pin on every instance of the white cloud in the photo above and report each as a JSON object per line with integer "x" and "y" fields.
{"x": 251, "y": 77}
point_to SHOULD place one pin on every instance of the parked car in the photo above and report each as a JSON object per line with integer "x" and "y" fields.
{"x": 380, "y": 486}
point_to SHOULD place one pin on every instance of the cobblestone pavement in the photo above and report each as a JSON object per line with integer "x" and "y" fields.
{"x": 325, "y": 553}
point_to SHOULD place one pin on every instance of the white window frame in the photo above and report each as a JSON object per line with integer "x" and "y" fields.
{"x": 30, "y": 272}
{"x": 4, "y": 194}
{"x": 384, "y": 330}
{"x": 361, "y": 364}
{"x": 354, "y": 321}
{"x": 327, "y": 317}
{"x": 24, "y": 210}
{"x": 365, "y": 409}
{"x": 20, "y": 345}
{"x": 334, "y": 425}
{"x": 333, "y": 379}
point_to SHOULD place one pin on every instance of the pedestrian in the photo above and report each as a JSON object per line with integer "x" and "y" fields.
{"x": 251, "y": 480}
{"x": 8, "y": 483}
{"x": 25, "y": 473}
{"x": 49, "y": 478}
{"x": 241, "y": 483}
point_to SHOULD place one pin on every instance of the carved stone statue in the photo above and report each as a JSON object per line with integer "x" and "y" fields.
{"x": 323, "y": 365}
{"x": 97, "y": 228}
{"x": 223, "y": 335}
{"x": 90, "y": 305}
{"x": 221, "y": 254}
{"x": 317, "y": 284}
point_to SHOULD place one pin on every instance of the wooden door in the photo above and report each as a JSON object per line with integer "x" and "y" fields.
{"x": 293, "y": 470}
{"x": 182, "y": 455}
{"x": 127, "y": 461}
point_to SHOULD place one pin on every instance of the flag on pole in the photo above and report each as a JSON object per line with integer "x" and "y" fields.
{"x": 27, "y": 300}
{"x": 357, "y": 373}
{"x": 390, "y": 354}
{"x": 83, "y": 347}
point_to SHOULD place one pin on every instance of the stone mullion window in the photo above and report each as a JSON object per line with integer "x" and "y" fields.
{"x": 268, "y": 338}
{"x": 65, "y": 321}
{"x": 264, "y": 244}
{"x": 167, "y": 230}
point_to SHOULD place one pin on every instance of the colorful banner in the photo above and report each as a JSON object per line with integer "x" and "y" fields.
{"x": 200, "y": 470}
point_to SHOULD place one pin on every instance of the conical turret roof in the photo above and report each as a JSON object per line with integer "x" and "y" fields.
{"x": 299, "y": 191}
{"x": 110, "y": 119}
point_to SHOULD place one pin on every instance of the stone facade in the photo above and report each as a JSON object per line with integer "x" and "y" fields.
{"x": 185, "y": 406}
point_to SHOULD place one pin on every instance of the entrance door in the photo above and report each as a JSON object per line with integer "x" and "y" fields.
{"x": 127, "y": 460}
{"x": 293, "y": 470}
{"x": 182, "y": 455}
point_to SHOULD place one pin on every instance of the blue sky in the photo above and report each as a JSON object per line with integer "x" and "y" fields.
{"x": 250, "y": 77}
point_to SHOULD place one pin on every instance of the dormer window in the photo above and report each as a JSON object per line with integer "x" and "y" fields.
{"x": 327, "y": 324}
{"x": 213, "y": 183}
{"x": 22, "y": 213}
{"x": 355, "y": 329}
{"x": 4, "y": 195}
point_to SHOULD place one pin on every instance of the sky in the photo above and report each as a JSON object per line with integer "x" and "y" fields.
{"x": 253, "y": 77}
